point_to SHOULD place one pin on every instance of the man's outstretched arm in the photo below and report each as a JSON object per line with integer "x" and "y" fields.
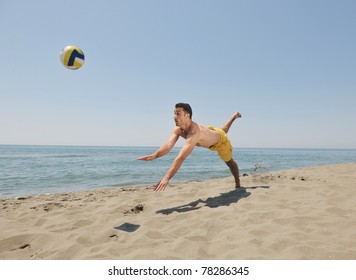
{"x": 177, "y": 163}
{"x": 164, "y": 149}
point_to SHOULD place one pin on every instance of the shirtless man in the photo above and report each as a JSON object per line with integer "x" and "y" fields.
{"x": 195, "y": 134}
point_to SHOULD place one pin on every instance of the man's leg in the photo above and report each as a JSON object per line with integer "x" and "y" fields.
{"x": 235, "y": 171}
{"x": 231, "y": 163}
{"x": 228, "y": 124}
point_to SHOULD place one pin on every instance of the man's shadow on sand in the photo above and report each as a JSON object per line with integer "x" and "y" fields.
{"x": 224, "y": 199}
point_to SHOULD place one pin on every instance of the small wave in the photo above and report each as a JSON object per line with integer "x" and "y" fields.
{"x": 65, "y": 156}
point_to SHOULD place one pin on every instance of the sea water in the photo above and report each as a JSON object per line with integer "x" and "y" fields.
{"x": 32, "y": 170}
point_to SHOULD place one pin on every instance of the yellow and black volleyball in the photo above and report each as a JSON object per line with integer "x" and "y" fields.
{"x": 72, "y": 57}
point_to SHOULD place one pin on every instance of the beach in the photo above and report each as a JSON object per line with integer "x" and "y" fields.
{"x": 295, "y": 214}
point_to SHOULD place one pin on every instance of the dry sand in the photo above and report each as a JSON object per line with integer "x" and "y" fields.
{"x": 307, "y": 213}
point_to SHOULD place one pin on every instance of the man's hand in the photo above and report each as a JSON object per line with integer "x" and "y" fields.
{"x": 162, "y": 184}
{"x": 148, "y": 158}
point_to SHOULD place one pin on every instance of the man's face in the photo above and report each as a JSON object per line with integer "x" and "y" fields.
{"x": 180, "y": 116}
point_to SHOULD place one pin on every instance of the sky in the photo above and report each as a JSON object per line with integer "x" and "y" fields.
{"x": 289, "y": 67}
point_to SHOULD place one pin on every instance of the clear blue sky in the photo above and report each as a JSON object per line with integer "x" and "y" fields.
{"x": 288, "y": 66}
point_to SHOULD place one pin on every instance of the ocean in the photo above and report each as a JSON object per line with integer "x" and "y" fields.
{"x": 32, "y": 170}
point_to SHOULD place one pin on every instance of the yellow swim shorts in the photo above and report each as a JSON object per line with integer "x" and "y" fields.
{"x": 223, "y": 147}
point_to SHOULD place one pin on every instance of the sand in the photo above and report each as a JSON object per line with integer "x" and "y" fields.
{"x": 307, "y": 214}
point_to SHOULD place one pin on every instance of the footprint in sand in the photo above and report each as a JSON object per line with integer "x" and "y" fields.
{"x": 136, "y": 210}
{"x": 48, "y": 207}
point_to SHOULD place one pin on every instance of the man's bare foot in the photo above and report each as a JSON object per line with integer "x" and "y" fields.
{"x": 227, "y": 125}
{"x": 236, "y": 115}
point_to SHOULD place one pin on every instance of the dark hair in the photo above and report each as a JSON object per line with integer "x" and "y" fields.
{"x": 186, "y": 107}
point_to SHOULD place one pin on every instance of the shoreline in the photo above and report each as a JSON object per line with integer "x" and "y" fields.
{"x": 30, "y": 171}
{"x": 151, "y": 186}
{"x": 303, "y": 213}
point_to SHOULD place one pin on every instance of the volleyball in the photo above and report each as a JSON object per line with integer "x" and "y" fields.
{"x": 72, "y": 57}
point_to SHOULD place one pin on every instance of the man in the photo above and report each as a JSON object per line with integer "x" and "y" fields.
{"x": 198, "y": 135}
